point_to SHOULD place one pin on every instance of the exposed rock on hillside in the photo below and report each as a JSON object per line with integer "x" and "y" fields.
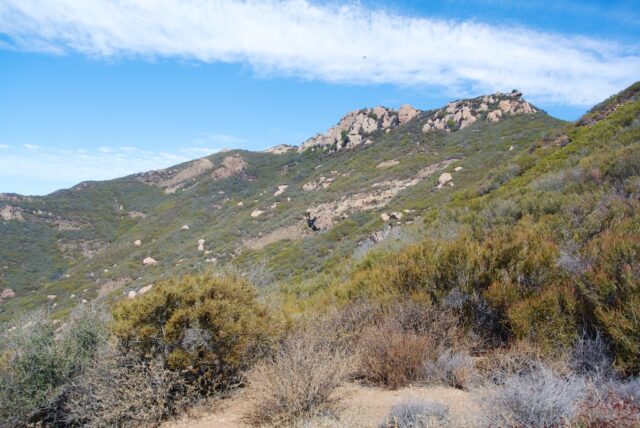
{"x": 460, "y": 114}
{"x": 325, "y": 214}
{"x": 406, "y": 113}
{"x": 231, "y": 165}
{"x": 353, "y": 129}
{"x": 11, "y": 213}
{"x": 149, "y": 261}
{"x": 293, "y": 232}
{"x": 7, "y": 293}
{"x": 172, "y": 179}
{"x": 280, "y": 149}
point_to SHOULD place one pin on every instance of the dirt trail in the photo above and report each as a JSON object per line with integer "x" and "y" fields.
{"x": 360, "y": 407}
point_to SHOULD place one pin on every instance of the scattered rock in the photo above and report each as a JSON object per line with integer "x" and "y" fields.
{"x": 322, "y": 182}
{"x": 149, "y": 261}
{"x": 458, "y": 168}
{"x": 137, "y": 242}
{"x": 145, "y": 289}
{"x": 281, "y": 189}
{"x": 256, "y": 213}
{"x": 51, "y": 297}
{"x": 131, "y": 294}
{"x": 444, "y": 178}
{"x": 510, "y": 148}
{"x": 200, "y": 244}
{"x": 7, "y": 293}
{"x": 385, "y": 217}
{"x": 387, "y": 163}
{"x": 185, "y": 227}
{"x": 8, "y": 213}
{"x": 396, "y": 215}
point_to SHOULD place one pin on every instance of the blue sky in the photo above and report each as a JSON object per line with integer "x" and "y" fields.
{"x": 99, "y": 89}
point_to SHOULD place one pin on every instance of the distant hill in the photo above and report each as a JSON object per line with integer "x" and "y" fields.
{"x": 291, "y": 212}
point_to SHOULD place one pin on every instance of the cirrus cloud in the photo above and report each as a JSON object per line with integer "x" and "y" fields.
{"x": 334, "y": 43}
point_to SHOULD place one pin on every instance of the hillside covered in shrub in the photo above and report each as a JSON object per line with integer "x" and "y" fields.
{"x": 506, "y": 264}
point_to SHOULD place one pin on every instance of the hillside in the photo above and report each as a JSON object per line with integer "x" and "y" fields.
{"x": 377, "y": 169}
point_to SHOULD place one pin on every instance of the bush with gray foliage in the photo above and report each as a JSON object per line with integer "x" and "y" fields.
{"x": 417, "y": 414}
{"x": 536, "y": 398}
{"x": 39, "y": 361}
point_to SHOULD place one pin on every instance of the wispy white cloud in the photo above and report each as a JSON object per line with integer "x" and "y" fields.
{"x": 330, "y": 42}
{"x": 4, "y": 146}
{"x": 31, "y": 146}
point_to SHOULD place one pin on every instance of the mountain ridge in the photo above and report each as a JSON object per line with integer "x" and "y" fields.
{"x": 322, "y": 201}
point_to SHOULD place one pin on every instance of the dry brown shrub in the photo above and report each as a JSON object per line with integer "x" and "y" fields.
{"x": 300, "y": 379}
{"x": 391, "y": 356}
{"x": 394, "y": 349}
{"x": 121, "y": 390}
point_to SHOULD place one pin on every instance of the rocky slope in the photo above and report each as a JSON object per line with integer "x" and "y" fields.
{"x": 293, "y": 210}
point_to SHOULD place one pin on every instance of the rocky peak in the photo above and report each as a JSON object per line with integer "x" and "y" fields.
{"x": 460, "y": 114}
{"x": 356, "y": 126}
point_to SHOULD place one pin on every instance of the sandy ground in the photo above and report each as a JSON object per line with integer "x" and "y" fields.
{"x": 359, "y": 406}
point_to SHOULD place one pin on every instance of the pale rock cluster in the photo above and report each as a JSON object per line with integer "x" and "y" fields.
{"x": 355, "y": 127}
{"x": 281, "y": 190}
{"x": 280, "y": 149}
{"x": 461, "y": 114}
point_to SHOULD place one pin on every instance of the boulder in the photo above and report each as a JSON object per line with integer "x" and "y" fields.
{"x": 137, "y": 242}
{"x": 185, "y": 227}
{"x": 131, "y": 294}
{"x": 200, "y": 244}
{"x": 494, "y": 116}
{"x": 7, "y": 293}
{"x": 406, "y": 113}
{"x": 51, "y": 297}
{"x": 281, "y": 189}
{"x": 385, "y": 217}
{"x": 458, "y": 168}
{"x": 149, "y": 261}
{"x": 145, "y": 289}
{"x": 445, "y": 178}
{"x": 256, "y": 213}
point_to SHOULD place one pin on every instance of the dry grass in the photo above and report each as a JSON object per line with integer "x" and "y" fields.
{"x": 299, "y": 380}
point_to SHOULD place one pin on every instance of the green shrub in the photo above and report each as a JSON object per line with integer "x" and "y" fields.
{"x": 209, "y": 326}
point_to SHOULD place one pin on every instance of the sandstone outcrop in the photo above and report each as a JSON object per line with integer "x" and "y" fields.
{"x": 461, "y": 114}
{"x": 353, "y": 129}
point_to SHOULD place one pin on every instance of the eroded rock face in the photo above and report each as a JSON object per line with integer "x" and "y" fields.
{"x": 353, "y": 129}
{"x": 461, "y": 114}
{"x": 231, "y": 165}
